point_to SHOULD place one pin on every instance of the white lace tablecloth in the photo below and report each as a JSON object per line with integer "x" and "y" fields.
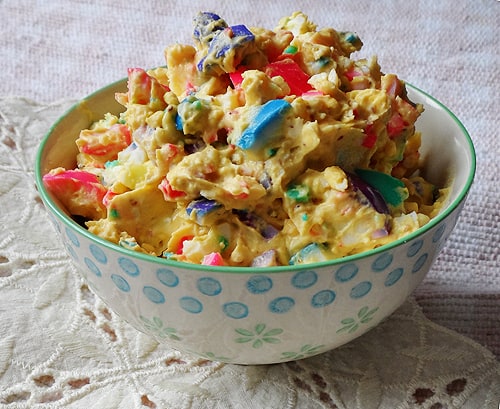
{"x": 60, "y": 347}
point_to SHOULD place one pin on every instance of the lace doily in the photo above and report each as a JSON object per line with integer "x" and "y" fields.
{"x": 60, "y": 346}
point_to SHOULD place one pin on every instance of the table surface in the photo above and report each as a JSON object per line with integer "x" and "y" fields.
{"x": 53, "y": 53}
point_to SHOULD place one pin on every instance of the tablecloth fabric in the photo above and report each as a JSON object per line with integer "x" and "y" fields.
{"x": 54, "y": 53}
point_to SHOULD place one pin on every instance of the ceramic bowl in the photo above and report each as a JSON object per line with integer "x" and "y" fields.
{"x": 265, "y": 315}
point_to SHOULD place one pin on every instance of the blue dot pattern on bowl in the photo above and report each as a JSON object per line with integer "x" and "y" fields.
{"x": 281, "y": 305}
{"x": 414, "y": 248}
{"x": 121, "y": 283}
{"x": 382, "y": 262}
{"x": 323, "y": 298}
{"x": 153, "y": 294}
{"x": 236, "y": 310}
{"x": 393, "y": 277}
{"x": 304, "y": 279}
{"x": 346, "y": 273}
{"x": 438, "y": 234}
{"x": 128, "y": 266}
{"x": 72, "y": 237}
{"x": 279, "y": 299}
{"x": 209, "y": 286}
{"x": 71, "y": 251}
{"x": 191, "y": 304}
{"x": 98, "y": 254}
{"x": 259, "y": 284}
{"x": 92, "y": 267}
{"x": 167, "y": 277}
{"x": 361, "y": 289}
{"x": 419, "y": 263}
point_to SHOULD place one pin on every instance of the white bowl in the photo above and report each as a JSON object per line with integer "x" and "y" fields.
{"x": 260, "y": 315}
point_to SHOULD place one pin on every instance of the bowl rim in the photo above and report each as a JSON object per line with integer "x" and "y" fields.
{"x": 69, "y": 222}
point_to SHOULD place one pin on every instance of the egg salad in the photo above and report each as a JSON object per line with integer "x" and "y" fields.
{"x": 254, "y": 147}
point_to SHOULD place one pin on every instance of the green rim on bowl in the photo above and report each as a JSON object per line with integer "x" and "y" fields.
{"x": 450, "y": 207}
